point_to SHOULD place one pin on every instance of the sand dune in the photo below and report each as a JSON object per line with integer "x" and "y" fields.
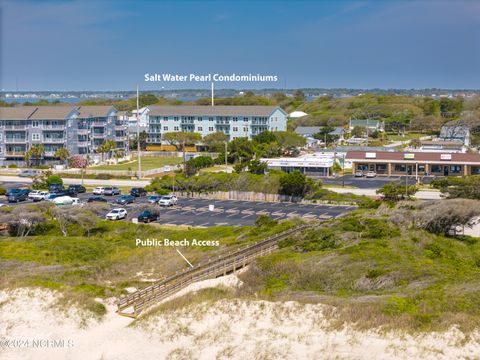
{"x": 225, "y": 329}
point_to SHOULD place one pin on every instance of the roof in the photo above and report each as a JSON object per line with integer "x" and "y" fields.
{"x": 16, "y": 113}
{"x": 94, "y": 111}
{"x": 337, "y": 131}
{"x": 204, "y": 110}
{"x": 307, "y": 130}
{"x": 51, "y": 112}
{"x": 371, "y": 122}
{"x": 416, "y": 156}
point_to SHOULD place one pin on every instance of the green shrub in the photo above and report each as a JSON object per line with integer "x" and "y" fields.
{"x": 318, "y": 239}
{"x": 3, "y": 191}
{"x": 12, "y": 166}
{"x": 54, "y": 180}
{"x": 265, "y": 221}
{"x": 104, "y": 176}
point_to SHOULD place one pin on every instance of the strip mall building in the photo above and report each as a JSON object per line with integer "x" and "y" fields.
{"x": 415, "y": 163}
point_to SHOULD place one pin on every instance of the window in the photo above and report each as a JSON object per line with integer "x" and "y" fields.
{"x": 36, "y": 137}
{"x": 175, "y": 128}
{"x": 437, "y": 168}
{"x": 199, "y": 128}
{"x": 235, "y": 128}
{"x": 210, "y": 118}
{"x": 400, "y": 168}
{"x": 35, "y": 124}
{"x": 245, "y": 128}
{"x": 165, "y": 128}
{"x": 175, "y": 118}
{"x": 455, "y": 169}
{"x": 210, "y": 128}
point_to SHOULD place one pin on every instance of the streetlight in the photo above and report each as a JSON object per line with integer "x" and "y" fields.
{"x": 138, "y": 142}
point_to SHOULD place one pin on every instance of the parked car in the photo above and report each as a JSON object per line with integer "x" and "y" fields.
{"x": 138, "y": 192}
{"x": 116, "y": 214}
{"x": 147, "y": 215}
{"x": 111, "y": 191}
{"x": 52, "y": 196}
{"x": 371, "y": 174}
{"x": 168, "y": 200}
{"x": 358, "y": 173}
{"x": 79, "y": 189}
{"x": 153, "y": 199}
{"x": 29, "y": 173}
{"x": 96, "y": 199}
{"x": 55, "y": 188}
{"x": 12, "y": 191}
{"x": 37, "y": 195}
{"x": 21, "y": 195}
{"x": 125, "y": 199}
{"x": 98, "y": 190}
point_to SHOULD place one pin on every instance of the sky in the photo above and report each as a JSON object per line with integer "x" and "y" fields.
{"x": 110, "y": 45}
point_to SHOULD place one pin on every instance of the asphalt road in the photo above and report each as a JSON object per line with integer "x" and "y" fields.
{"x": 196, "y": 212}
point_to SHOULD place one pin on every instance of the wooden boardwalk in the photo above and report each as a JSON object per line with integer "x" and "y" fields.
{"x": 133, "y": 304}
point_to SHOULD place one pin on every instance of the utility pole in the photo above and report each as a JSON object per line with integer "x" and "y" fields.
{"x": 406, "y": 185}
{"x": 226, "y": 152}
{"x": 343, "y": 170}
{"x": 138, "y": 141}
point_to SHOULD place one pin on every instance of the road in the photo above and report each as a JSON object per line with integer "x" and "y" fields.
{"x": 196, "y": 212}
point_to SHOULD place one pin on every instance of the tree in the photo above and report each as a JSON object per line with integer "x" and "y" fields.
{"x": 293, "y": 184}
{"x": 265, "y": 137}
{"x": 62, "y": 153}
{"x": 180, "y": 140}
{"x": 35, "y": 152}
{"x": 324, "y": 134}
{"x": 215, "y": 141}
{"x": 241, "y": 150}
{"x": 143, "y": 141}
{"x": 394, "y": 192}
{"x": 359, "y": 131}
{"x": 257, "y": 167}
{"x": 106, "y": 147}
{"x": 289, "y": 141}
{"x": 416, "y": 143}
{"x": 195, "y": 164}
{"x": 54, "y": 180}
{"x": 79, "y": 162}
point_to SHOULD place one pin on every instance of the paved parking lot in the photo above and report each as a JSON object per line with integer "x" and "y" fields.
{"x": 196, "y": 212}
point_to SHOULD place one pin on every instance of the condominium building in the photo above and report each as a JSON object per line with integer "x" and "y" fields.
{"x": 234, "y": 121}
{"x": 79, "y": 129}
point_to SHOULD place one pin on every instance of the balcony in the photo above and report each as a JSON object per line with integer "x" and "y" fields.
{"x": 98, "y": 135}
{"x": 15, "y": 153}
{"x": 53, "y": 127}
{"x": 49, "y": 153}
{"x": 120, "y": 127}
{"x": 83, "y": 131}
{"x": 51, "y": 140}
{"x": 16, "y": 127}
{"x": 99, "y": 123}
{"x": 16, "y": 140}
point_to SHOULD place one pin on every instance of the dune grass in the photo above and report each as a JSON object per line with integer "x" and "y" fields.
{"x": 147, "y": 162}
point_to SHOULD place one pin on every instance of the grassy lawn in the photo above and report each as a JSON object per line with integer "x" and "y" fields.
{"x": 148, "y": 163}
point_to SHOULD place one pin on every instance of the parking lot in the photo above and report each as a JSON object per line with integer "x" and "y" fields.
{"x": 198, "y": 212}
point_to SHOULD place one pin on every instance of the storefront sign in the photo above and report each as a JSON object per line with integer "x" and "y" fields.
{"x": 409, "y": 156}
{"x": 370, "y": 155}
{"x": 445, "y": 156}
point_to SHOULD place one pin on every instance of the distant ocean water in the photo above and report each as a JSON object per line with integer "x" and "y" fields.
{"x": 22, "y": 100}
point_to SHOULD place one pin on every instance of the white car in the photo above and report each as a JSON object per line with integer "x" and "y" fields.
{"x": 116, "y": 214}
{"x": 168, "y": 200}
{"x": 66, "y": 200}
{"x": 37, "y": 195}
{"x": 98, "y": 190}
{"x": 371, "y": 174}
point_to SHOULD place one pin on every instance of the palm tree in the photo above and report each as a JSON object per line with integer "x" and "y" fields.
{"x": 35, "y": 152}
{"x": 62, "y": 153}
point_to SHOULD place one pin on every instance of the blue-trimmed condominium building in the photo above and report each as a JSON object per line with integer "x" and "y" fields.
{"x": 234, "y": 121}
{"x": 79, "y": 129}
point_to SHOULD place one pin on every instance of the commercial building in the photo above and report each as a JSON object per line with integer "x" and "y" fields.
{"x": 79, "y": 129}
{"x": 415, "y": 163}
{"x": 313, "y": 165}
{"x": 234, "y": 121}
{"x": 454, "y": 132}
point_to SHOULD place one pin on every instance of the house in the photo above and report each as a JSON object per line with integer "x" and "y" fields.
{"x": 339, "y": 132}
{"x": 370, "y": 124}
{"x": 234, "y": 121}
{"x": 442, "y": 146}
{"x": 308, "y": 131}
{"x": 454, "y": 132}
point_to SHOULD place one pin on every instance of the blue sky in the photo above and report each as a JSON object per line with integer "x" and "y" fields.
{"x": 110, "y": 45}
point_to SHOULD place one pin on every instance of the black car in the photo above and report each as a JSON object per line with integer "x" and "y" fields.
{"x": 125, "y": 199}
{"x": 21, "y": 195}
{"x": 55, "y": 188}
{"x": 96, "y": 199}
{"x": 138, "y": 192}
{"x": 79, "y": 189}
{"x": 147, "y": 215}
{"x": 12, "y": 191}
